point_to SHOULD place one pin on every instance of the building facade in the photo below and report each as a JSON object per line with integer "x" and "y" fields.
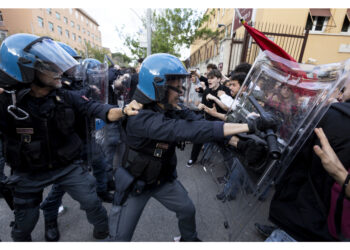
{"x": 327, "y": 41}
{"x": 71, "y": 26}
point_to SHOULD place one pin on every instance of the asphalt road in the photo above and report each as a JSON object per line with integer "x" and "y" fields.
{"x": 217, "y": 221}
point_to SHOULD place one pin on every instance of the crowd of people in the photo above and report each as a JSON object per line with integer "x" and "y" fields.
{"x": 63, "y": 116}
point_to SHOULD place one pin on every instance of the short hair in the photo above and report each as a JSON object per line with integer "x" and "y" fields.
{"x": 212, "y": 66}
{"x": 140, "y": 60}
{"x": 214, "y": 73}
{"x": 239, "y": 76}
{"x": 243, "y": 67}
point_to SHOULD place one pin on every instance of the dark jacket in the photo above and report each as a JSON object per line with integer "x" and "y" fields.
{"x": 210, "y": 103}
{"x": 153, "y": 125}
{"x": 301, "y": 203}
{"x": 48, "y": 138}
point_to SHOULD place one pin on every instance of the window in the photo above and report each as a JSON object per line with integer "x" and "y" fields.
{"x": 83, "y": 31}
{"x": 3, "y": 35}
{"x": 223, "y": 12}
{"x": 65, "y": 20}
{"x": 51, "y": 26}
{"x": 48, "y": 10}
{"x": 82, "y": 18}
{"x": 74, "y": 36}
{"x": 87, "y": 22}
{"x": 40, "y": 22}
{"x": 1, "y": 18}
{"x": 88, "y": 33}
{"x": 317, "y": 19}
{"x": 346, "y": 23}
{"x": 78, "y": 26}
{"x": 67, "y": 33}
{"x": 93, "y": 37}
{"x": 72, "y": 24}
{"x": 58, "y": 16}
{"x": 76, "y": 15}
{"x": 79, "y": 39}
{"x": 59, "y": 29}
{"x": 91, "y": 25}
{"x": 70, "y": 11}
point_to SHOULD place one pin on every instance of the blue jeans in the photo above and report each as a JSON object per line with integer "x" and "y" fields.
{"x": 238, "y": 178}
{"x": 278, "y": 235}
{"x": 2, "y": 161}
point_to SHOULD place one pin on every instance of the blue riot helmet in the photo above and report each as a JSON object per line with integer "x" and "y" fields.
{"x": 22, "y": 54}
{"x": 69, "y": 50}
{"x": 154, "y": 73}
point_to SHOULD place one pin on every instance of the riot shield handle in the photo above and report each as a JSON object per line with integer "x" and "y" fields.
{"x": 271, "y": 137}
{"x": 13, "y": 109}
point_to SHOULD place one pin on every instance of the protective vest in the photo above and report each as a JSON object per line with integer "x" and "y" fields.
{"x": 47, "y": 139}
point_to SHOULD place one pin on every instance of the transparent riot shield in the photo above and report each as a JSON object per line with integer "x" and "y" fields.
{"x": 95, "y": 77}
{"x": 298, "y": 95}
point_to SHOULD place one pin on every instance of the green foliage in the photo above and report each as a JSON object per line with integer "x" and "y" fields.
{"x": 121, "y": 59}
{"x": 172, "y": 29}
{"x": 96, "y": 53}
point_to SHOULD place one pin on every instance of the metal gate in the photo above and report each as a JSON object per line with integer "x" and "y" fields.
{"x": 290, "y": 38}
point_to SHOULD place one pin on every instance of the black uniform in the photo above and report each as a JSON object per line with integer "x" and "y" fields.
{"x": 151, "y": 161}
{"x": 45, "y": 149}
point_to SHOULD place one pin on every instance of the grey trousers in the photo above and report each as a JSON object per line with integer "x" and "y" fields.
{"x": 123, "y": 219}
{"x": 77, "y": 182}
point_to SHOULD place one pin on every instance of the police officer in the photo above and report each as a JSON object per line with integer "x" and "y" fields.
{"x": 72, "y": 80}
{"x": 152, "y": 135}
{"x": 43, "y": 147}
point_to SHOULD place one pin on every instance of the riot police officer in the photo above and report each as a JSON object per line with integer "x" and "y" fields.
{"x": 73, "y": 80}
{"x": 150, "y": 161}
{"x": 41, "y": 144}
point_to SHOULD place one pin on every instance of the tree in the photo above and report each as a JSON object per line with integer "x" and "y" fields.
{"x": 121, "y": 59}
{"x": 95, "y": 52}
{"x": 172, "y": 29}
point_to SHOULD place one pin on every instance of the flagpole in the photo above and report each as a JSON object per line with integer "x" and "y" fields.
{"x": 239, "y": 15}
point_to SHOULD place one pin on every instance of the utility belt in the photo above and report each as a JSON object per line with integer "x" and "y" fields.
{"x": 32, "y": 155}
{"x": 146, "y": 163}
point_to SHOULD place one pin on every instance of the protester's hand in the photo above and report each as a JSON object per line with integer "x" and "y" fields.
{"x": 203, "y": 85}
{"x": 96, "y": 89}
{"x": 201, "y": 106}
{"x": 116, "y": 66}
{"x": 221, "y": 92}
{"x": 210, "y": 97}
{"x": 329, "y": 159}
{"x": 211, "y": 111}
{"x": 1, "y": 90}
{"x": 132, "y": 108}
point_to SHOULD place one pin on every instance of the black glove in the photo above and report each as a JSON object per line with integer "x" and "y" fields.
{"x": 268, "y": 121}
{"x": 254, "y": 154}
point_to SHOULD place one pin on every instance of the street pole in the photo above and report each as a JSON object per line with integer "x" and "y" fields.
{"x": 149, "y": 32}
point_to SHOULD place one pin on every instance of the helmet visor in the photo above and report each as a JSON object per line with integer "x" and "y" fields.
{"x": 51, "y": 55}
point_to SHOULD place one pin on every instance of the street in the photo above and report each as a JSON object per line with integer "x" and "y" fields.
{"x": 216, "y": 221}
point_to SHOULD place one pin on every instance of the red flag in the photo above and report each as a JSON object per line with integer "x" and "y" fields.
{"x": 265, "y": 43}
{"x": 290, "y": 67}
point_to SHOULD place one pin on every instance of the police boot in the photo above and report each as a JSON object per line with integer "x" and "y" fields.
{"x": 100, "y": 235}
{"x": 105, "y": 196}
{"x": 51, "y": 231}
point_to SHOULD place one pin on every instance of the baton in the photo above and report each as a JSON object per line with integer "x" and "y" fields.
{"x": 271, "y": 137}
